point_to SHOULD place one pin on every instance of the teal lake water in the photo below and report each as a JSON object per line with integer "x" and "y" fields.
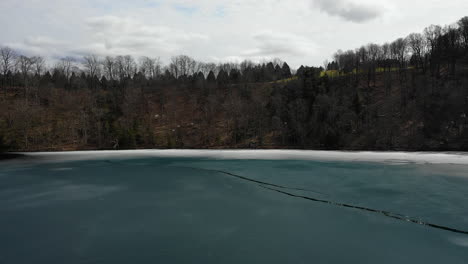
{"x": 207, "y": 210}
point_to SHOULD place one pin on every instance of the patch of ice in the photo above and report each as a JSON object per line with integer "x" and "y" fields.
{"x": 59, "y": 192}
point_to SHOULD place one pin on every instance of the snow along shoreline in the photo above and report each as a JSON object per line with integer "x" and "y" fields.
{"x": 460, "y": 158}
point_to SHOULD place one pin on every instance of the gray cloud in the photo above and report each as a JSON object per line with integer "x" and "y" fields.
{"x": 347, "y": 10}
{"x": 273, "y": 44}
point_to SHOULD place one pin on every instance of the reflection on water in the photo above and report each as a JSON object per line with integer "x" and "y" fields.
{"x": 460, "y": 241}
{"x": 61, "y": 169}
{"x": 204, "y": 210}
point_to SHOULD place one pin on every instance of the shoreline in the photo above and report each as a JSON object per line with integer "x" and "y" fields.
{"x": 390, "y": 157}
{"x": 11, "y": 155}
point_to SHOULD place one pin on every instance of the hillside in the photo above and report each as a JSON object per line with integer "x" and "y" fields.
{"x": 410, "y": 94}
{"x": 309, "y": 112}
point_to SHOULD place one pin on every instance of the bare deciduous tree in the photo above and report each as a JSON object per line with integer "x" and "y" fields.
{"x": 150, "y": 67}
{"x": 119, "y": 67}
{"x": 374, "y": 53}
{"x": 109, "y": 67}
{"x": 417, "y": 45}
{"x": 451, "y": 44}
{"x": 129, "y": 66}
{"x": 92, "y": 65}
{"x": 124, "y": 67}
{"x": 67, "y": 66}
{"x": 8, "y": 57}
{"x": 25, "y": 65}
{"x": 432, "y": 35}
{"x": 227, "y": 67}
{"x": 245, "y": 65}
{"x": 463, "y": 25}
{"x": 206, "y": 68}
{"x": 399, "y": 49}
{"x": 182, "y": 65}
{"x": 39, "y": 65}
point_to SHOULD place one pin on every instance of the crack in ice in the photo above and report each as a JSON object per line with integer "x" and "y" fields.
{"x": 256, "y": 181}
{"x": 382, "y": 212}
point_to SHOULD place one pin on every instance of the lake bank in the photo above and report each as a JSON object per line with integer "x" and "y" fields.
{"x": 357, "y": 156}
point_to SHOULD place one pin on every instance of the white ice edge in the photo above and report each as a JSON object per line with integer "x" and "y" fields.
{"x": 361, "y": 156}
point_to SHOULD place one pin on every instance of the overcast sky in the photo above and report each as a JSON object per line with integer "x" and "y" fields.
{"x": 298, "y": 31}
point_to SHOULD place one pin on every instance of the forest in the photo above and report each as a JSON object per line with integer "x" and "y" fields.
{"x": 408, "y": 94}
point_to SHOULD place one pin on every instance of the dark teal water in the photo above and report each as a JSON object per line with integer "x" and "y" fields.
{"x": 181, "y": 210}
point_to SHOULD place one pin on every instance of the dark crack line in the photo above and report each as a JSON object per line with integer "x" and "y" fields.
{"x": 382, "y": 212}
{"x": 243, "y": 178}
{"x": 256, "y": 181}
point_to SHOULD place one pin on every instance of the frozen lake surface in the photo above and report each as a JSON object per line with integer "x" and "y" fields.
{"x": 234, "y": 207}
